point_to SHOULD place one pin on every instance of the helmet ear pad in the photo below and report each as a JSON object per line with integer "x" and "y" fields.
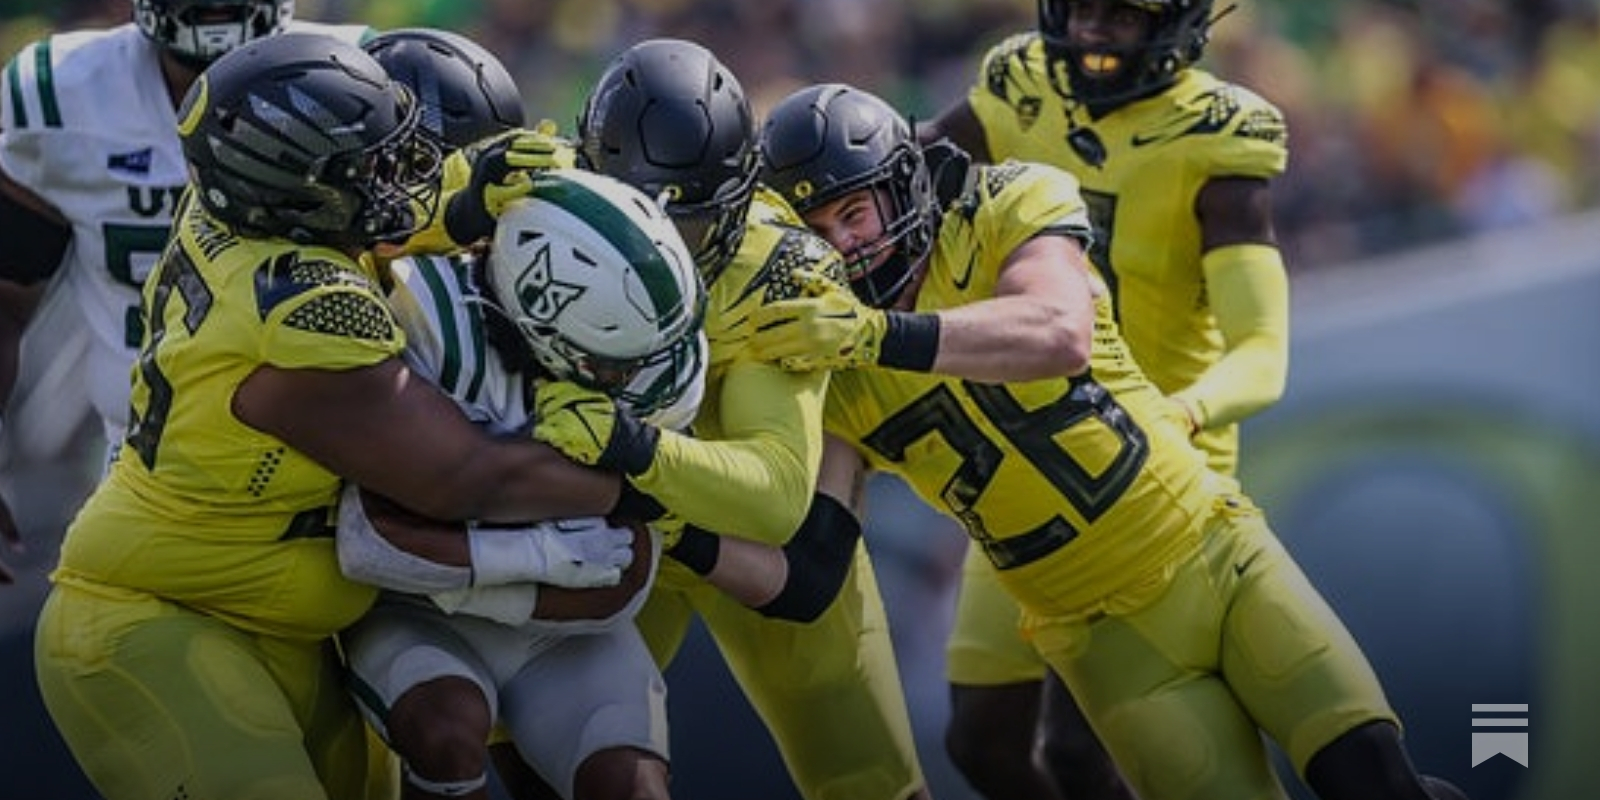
{"x": 345, "y": 166}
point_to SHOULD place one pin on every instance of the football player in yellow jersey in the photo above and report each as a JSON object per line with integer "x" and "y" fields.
{"x": 185, "y": 648}
{"x": 90, "y": 173}
{"x": 669, "y": 118}
{"x": 1176, "y": 167}
{"x": 977, "y": 357}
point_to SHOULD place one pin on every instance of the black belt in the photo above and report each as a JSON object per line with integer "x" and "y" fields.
{"x": 1022, "y": 550}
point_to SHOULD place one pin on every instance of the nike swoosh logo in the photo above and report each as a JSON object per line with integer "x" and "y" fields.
{"x": 964, "y": 280}
{"x": 1142, "y": 141}
{"x": 1172, "y": 129}
{"x": 1240, "y": 569}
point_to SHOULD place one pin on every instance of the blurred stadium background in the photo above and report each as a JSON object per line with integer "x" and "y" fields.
{"x": 1435, "y": 464}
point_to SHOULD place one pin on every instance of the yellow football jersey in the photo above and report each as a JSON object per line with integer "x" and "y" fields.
{"x": 751, "y": 466}
{"x": 1140, "y": 168}
{"x": 199, "y": 508}
{"x": 1074, "y": 488}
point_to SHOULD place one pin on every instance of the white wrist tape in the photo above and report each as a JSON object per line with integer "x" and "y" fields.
{"x": 367, "y": 557}
{"x": 503, "y": 555}
{"x": 511, "y": 604}
{"x": 578, "y": 553}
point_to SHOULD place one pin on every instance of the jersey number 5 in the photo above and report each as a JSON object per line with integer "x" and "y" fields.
{"x": 176, "y": 275}
{"x": 127, "y": 248}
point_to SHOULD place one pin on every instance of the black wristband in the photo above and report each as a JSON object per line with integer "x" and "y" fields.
{"x": 636, "y": 506}
{"x": 697, "y": 549}
{"x": 632, "y": 448}
{"x": 911, "y": 341}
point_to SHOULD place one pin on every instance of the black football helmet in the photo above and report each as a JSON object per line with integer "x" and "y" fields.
{"x": 668, "y": 118}
{"x": 828, "y": 140}
{"x": 198, "y": 32}
{"x": 304, "y": 136}
{"x": 465, "y": 93}
{"x": 1177, "y": 39}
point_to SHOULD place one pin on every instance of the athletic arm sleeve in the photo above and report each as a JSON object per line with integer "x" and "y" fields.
{"x": 1250, "y": 297}
{"x": 755, "y": 478}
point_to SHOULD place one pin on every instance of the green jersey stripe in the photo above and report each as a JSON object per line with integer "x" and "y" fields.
{"x": 46, "y": 79}
{"x": 19, "y": 110}
{"x": 450, "y": 370}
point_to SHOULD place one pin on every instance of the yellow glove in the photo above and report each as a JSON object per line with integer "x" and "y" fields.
{"x": 590, "y": 428}
{"x": 825, "y": 328}
{"x": 541, "y": 148}
{"x": 498, "y": 174}
{"x": 478, "y": 182}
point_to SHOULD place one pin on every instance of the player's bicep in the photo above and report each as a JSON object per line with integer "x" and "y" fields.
{"x": 1051, "y": 268}
{"x": 1235, "y": 210}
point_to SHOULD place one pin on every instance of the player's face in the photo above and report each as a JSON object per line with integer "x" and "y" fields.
{"x": 853, "y": 224}
{"x": 1106, "y": 29}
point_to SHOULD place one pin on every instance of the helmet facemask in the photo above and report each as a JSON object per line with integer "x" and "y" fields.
{"x": 1106, "y": 77}
{"x": 397, "y": 180}
{"x": 198, "y": 32}
{"x": 908, "y": 214}
{"x": 304, "y": 137}
{"x": 714, "y": 228}
{"x": 828, "y": 141}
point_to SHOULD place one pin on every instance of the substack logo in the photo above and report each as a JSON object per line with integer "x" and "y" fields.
{"x": 1513, "y": 744}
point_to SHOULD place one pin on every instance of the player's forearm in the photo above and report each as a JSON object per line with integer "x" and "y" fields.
{"x": 757, "y": 488}
{"x": 797, "y": 581}
{"x": 1248, "y": 380}
{"x": 1010, "y": 339}
{"x": 384, "y": 428}
{"x": 753, "y": 477}
{"x": 519, "y": 481}
{"x": 1250, "y": 299}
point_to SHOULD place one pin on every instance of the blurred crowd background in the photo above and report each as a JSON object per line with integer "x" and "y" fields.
{"x": 1411, "y": 121}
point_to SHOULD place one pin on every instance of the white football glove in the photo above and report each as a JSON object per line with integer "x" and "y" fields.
{"x": 579, "y": 553}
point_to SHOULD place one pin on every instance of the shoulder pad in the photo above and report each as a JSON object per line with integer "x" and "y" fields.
{"x": 797, "y": 248}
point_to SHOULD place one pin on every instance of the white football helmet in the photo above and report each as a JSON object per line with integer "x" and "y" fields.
{"x": 201, "y": 31}
{"x": 602, "y": 289}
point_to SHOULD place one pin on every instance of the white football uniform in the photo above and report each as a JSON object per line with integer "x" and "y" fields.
{"x": 87, "y": 124}
{"x": 563, "y": 690}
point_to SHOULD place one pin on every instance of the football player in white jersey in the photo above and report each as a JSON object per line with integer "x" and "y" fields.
{"x": 587, "y": 281}
{"x": 90, "y": 172}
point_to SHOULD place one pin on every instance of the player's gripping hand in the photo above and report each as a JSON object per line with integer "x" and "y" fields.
{"x": 590, "y": 428}
{"x": 498, "y": 174}
{"x": 579, "y": 553}
{"x": 824, "y": 328}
